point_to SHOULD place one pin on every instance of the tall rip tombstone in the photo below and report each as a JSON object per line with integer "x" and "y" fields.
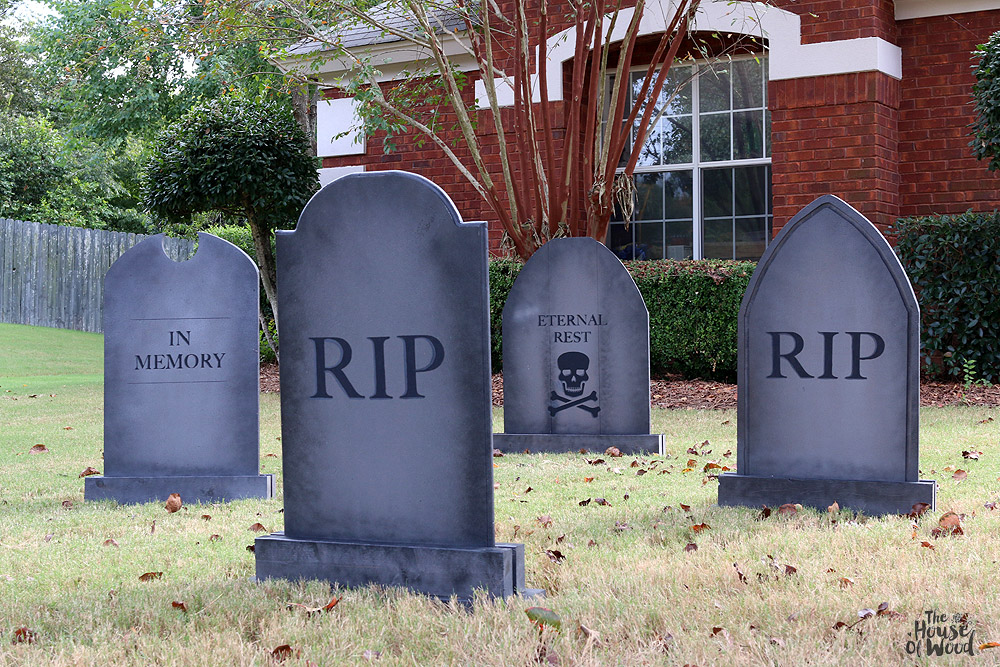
{"x": 575, "y": 354}
{"x": 829, "y": 338}
{"x": 181, "y": 377}
{"x": 385, "y": 395}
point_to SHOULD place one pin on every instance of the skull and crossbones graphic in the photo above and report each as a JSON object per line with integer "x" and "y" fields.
{"x": 573, "y": 376}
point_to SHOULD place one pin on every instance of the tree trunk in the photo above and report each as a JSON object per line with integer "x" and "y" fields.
{"x": 304, "y": 109}
{"x": 265, "y": 260}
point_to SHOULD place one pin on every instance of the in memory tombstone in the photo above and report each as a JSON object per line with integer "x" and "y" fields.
{"x": 575, "y": 354}
{"x": 181, "y": 377}
{"x": 828, "y": 371}
{"x": 385, "y": 395}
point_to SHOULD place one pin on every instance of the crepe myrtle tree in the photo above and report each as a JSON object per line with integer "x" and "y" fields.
{"x": 986, "y": 100}
{"x": 245, "y": 158}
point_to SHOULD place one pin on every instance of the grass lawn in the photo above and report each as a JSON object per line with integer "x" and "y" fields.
{"x": 755, "y": 591}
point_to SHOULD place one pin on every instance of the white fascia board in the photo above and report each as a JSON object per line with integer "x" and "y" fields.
{"x": 918, "y": 9}
{"x": 865, "y": 54}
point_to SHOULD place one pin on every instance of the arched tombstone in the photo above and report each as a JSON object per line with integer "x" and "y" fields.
{"x": 829, "y": 338}
{"x": 385, "y": 395}
{"x": 181, "y": 377}
{"x": 575, "y": 354}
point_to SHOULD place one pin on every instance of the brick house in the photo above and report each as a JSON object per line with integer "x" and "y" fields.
{"x": 865, "y": 99}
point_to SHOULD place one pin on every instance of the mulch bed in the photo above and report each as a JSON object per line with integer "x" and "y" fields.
{"x": 674, "y": 392}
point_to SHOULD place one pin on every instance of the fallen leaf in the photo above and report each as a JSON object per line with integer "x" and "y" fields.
{"x": 960, "y": 475}
{"x": 88, "y": 471}
{"x": 971, "y": 455}
{"x": 634, "y": 464}
{"x": 686, "y": 508}
{"x": 839, "y": 624}
{"x": 591, "y": 543}
{"x": 584, "y": 632}
{"x": 983, "y": 647}
{"x": 698, "y": 527}
{"x": 595, "y": 462}
{"x": 48, "y": 538}
{"x": 177, "y": 604}
{"x": 152, "y": 527}
{"x": 542, "y": 617}
{"x": 846, "y": 582}
{"x": 38, "y": 449}
{"x": 67, "y": 428}
{"x": 258, "y": 528}
{"x": 711, "y": 466}
{"x": 602, "y": 501}
{"x": 545, "y": 521}
{"x": 691, "y": 547}
{"x": 206, "y": 517}
{"x": 613, "y": 452}
{"x": 251, "y": 548}
{"x": 865, "y": 613}
{"x": 834, "y": 508}
{"x": 918, "y": 509}
{"x": 765, "y": 512}
{"x": 777, "y": 641}
{"x": 173, "y": 502}
{"x": 215, "y": 538}
{"x": 789, "y": 570}
{"x": 928, "y": 545}
{"x": 528, "y": 490}
{"x": 990, "y": 506}
{"x": 497, "y": 453}
{"x": 739, "y": 572}
{"x": 315, "y": 610}
{"x": 67, "y": 504}
{"x": 371, "y": 655}
{"x": 621, "y": 527}
{"x": 691, "y": 463}
{"x": 555, "y": 555}
{"x": 950, "y": 524}
{"x": 23, "y": 635}
{"x": 283, "y": 652}
{"x": 640, "y": 473}
{"x": 788, "y": 508}
{"x": 150, "y": 576}
{"x": 588, "y": 479}
{"x": 584, "y": 503}
{"x": 110, "y": 542}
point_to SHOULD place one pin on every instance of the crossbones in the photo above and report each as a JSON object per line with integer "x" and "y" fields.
{"x": 567, "y": 403}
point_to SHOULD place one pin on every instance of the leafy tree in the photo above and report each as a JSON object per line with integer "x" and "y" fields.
{"x": 986, "y": 99}
{"x": 47, "y": 176}
{"x": 242, "y": 157}
{"x": 18, "y": 83}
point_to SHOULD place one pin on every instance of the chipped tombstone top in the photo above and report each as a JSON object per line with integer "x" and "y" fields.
{"x": 385, "y": 368}
{"x": 575, "y": 344}
{"x": 828, "y": 354}
{"x": 181, "y": 382}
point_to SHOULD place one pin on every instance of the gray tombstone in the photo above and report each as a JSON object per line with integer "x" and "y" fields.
{"x": 575, "y": 354}
{"x": 385, "y": 395}
{"x": 829, "y": 338}
{"x": 181, "y": 377}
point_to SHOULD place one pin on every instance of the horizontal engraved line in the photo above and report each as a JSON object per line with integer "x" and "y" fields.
{"x": 178, "y": 382}
{"x": 161, "y": 319}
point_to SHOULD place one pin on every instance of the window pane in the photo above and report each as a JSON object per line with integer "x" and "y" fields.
{"x": 679, "y": 195}
{"x": 748, "y": 84}
{"x": 676, "y": 93}
{"x": 679, "y": 239}
{"x": 752, "y": 186}
{"x": 717, "y": 197}
{"x": 620, "y": 240}
{"x": 676, "y": 133}
{"x": 715, "y": 137}
{"x": 748, "y": 134}
{"x": 649, "y": 240}
{"x": 718, "y": 239}
{"x": 652, "y": 147}
{"x": 713, "y": 86}
{"x": 751, "y": 237}
{"x": 649, "y": 196}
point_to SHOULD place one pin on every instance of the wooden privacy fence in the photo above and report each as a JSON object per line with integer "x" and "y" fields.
{"x": 53, "y": 276}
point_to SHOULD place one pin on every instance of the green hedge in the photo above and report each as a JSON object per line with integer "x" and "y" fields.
{"x": 693, "y": 309}
{"x": 953, "y": 262}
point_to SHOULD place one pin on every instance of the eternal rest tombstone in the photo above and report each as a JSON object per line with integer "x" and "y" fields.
{"x": 575, "y": 354}
{"x": 181, "y": 377}
{"x": 828, "y": 393}
{"x": 385, "y": 395}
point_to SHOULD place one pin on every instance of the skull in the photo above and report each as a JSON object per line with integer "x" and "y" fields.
{"x": 573, "y": 372}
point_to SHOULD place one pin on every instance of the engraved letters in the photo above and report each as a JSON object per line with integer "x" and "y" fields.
{"x": 330, "y": 347}
{"x": 179, "y": 360}
{"x": 787, "y": 345}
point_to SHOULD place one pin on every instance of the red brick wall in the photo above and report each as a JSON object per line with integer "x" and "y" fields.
{"x": 831, "y": 20}
{"x": 835, "y": 135}
{"x": 937, "y": 171}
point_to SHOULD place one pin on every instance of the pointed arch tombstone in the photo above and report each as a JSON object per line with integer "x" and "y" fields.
{"x": 385, "y": 395}
{"x": 181, "y": 377}
{"x": 828, "y": 375}
{"x": 576, "y": 354}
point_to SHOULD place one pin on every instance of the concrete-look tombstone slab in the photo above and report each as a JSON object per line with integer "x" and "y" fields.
{"x": 181, "y": 377}
{"x": 575, "y": 354}
{"x": 828, "y": 371}
{"x": 385, "y": 395}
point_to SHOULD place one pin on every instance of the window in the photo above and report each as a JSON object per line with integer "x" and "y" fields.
{"x": 703, "y": 179}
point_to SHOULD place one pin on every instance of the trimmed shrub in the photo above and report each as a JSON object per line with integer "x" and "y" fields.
{"x": 693, "y": 309}
{"x": 953, "y": 262}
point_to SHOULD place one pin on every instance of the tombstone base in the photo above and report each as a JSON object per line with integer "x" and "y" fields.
{"x": 436, "y": 571}
{"x": 873, "y": 498}
{"x": 192, "y": 489}
{"x": 560, "y": 443}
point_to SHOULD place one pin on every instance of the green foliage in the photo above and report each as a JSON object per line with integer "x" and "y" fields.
{"x": 953, "y": 262}
{"x": 693, "y": 308}
{"x": 243, "y": 157}
{"x": 46, "y": 176}
{"x": 986, "y": 99}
